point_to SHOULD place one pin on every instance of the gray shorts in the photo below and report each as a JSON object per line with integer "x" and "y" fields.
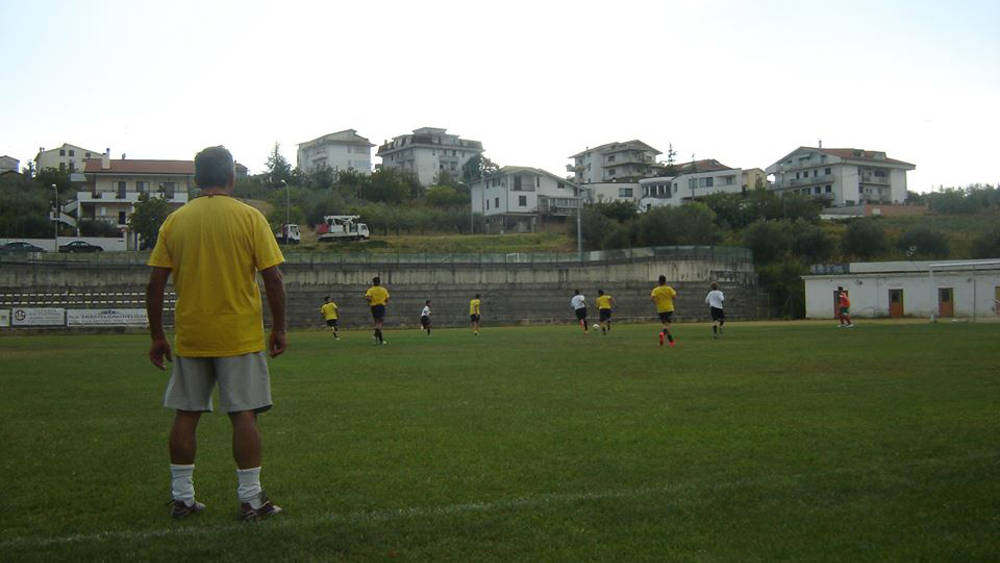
{"x": 244, "y": 384}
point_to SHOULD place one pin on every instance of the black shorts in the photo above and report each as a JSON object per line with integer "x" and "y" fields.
{"x": 425, "y": 322}
{"x": 717, "y": 314}
{"x": 474, "y": 318}
{"x": 666, "y": 316}
{"x": 378, "y": 312}
{"x": 604, "y": 314}
{"x": 331, "y": 322}
{"x": 581, "y": 313}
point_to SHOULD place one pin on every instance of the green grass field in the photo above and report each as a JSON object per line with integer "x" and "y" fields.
{"x": 795, "y": 441}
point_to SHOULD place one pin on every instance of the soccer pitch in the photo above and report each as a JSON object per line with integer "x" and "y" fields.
{"x": 785, "y": 441}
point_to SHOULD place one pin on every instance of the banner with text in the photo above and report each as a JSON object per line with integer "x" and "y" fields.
{"x": 4, "y": 318}
{"x": 31, "y": 316}
{"x": 106, "y": 317}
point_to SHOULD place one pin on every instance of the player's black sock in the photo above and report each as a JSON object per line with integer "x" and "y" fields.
{"x": 715, "y": 329}
{"x": 378, "y": 334}
{"x": 609, "y": 326}
{"x": 670, "y": 337}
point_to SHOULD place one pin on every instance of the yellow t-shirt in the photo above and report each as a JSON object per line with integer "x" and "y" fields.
{"x": 214, "y": 247}
{"x": 377, "y": 295}
{"x": 604, "y": 302}
{"x": 474, "y": 307}
{"x": 663, "y": 295}
{"x": 329, "y": 311}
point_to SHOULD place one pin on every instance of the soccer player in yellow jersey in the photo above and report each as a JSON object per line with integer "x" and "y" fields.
{"x": 474, "y": 314}
{"x": 330, "y": 315}
{"x": 604, "y": 305}
{"x": 663, "y": 296}
{"x": 377, "y": 297}
{"x": 214, "y": 246}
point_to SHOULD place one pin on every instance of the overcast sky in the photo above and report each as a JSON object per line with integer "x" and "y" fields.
{"x": 741, "y": 82}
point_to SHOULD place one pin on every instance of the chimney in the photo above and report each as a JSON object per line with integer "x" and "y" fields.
{"x": 106, "y": 159}
{"x": 123, "y": 156}
{"x": 821, "y": 143}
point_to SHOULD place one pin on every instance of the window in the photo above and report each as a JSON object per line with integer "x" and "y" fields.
{"x": 62, "y": 166}
{"x": 487, "y": 204}
{"x": 62, "y": 152}
{"x": 496, "y": 202}
{"x": 624, "y": 192}
{"x": 87, "y": 156}
{"x": 611, "y": 158}
{"x": 72, "y": 166}
{"x": 796, "y": 175}
{"x": 692, "y": 183}
{"x": 522, "y": 201}
{"x": 826, "y": 171}
{"x": 815, "y": 173}
{"x": 72, "y": 152}
{"x": 517, "y": 183}
{"x": 816, "y": 190}
{"x": 560, "y": 186}
{"x": 121, "y": 217}
{"x": 121, "y": 190}
{"x": 828, "y": 188}
{"x": 730, "y": 180}
{"x": 140, "y": 187}
{"x": 169, "y": 188}
{"x": 706, "y": 182}
{"x": 611, "y": 172}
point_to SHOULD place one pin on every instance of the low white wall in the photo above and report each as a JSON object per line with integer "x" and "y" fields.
{"x": 108, "y": 244}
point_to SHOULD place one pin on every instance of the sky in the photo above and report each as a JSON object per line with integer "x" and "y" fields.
{"x": 742, "y": 82}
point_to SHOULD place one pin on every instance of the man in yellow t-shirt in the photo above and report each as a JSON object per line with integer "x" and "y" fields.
{"x": 330, "y": 315}
{"x": 604, "y": 305}
{"x": 474, "y": 314}
{"x": 377, "y": 297}
{"x": 663, "y": 297}
{"x": 213, "y": 247}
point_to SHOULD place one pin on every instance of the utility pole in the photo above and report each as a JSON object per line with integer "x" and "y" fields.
{"x": 55, "y": 219}
{"x": 579, "y": 223}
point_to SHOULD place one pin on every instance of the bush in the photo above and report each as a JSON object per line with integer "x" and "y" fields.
{"x": 812, "y": 243}
{"x": 770, "y": 241}
{"x": 864, "y": 238}
{"x": 987, "y": 245}
{"x": 923, "y": 241}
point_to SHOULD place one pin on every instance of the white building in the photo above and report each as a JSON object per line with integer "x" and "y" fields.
{"x": 943, "y": 289}
{"x": 845, "y": 176}
{"x": 428, "y": 152}
{"x": 609, "y": 192}
{"x": 343, "y": 150}
{"x": 517, "y": 198}
{"x": 9, "y": 164}
{"x": 615, "y": 161}
{"x": 693, "y": 181}
{"x": 68, "y": 158}
{"x": 115, "y": 186}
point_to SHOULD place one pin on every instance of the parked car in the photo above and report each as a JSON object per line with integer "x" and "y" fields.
{"x": 79, "y": 246}
{"x": 19, "y": 247}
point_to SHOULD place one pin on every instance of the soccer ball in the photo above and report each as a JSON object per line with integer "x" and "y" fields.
{"x": 596, "y": 326}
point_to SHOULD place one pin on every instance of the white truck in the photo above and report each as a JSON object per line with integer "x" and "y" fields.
{"x": 288, "y": 234}
{"x": 341, "y": 227}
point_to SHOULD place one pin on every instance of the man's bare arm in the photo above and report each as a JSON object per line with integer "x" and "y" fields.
{"x": 159, "y": 348}
{"x": 274, "y": 286}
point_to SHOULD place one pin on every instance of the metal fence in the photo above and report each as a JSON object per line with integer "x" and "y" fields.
{"x": 728, "y": 253}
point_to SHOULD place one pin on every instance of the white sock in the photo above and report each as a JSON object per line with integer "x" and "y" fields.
{"x": 248, "y": 489}
{"x": 182, "y": 483}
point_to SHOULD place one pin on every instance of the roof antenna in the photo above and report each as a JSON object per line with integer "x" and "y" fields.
{"x": 821, "y": 143}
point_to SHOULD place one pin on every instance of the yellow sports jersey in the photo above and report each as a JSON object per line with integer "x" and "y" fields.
{"x": 663, "y": 295}
{"x": 377, "y": 295}
{"x": 329, "y": 311}
{"x": 474, "y": 307}
{"x": 214, "y": 246}
{"x": 604, "y": 302}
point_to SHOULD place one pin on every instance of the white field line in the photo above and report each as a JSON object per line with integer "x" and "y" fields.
{"x": 534, "y": 501}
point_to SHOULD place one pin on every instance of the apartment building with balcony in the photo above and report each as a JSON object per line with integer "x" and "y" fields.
{"x": 519, "y": 199}
{"x": 67, "y": 158}
{"x": 427, "y": 152}
{"x": 113, "y": 187}
{"x": 694, "y": 180}
{"x": 844, "y": 176}
{"x": 615, "y": 162}
{"x": 340, "y": 151}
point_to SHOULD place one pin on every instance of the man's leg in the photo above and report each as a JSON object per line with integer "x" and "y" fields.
{"x": 254, "y": 503}
{"x": 183, "y": 446}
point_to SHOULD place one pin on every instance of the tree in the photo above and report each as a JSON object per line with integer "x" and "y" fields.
{"x": 923, "y": 241}
{"x": 150, "y": 212}
{"x": 24, "y": 207}
{"x": 671, "y": 169}
{"x": 477, "y": 167}
{"x": 278, "y": 168}
{"x": 864, "y": 238}
{"x": 445, "y": 196}
{"x": 97, "y": 228}
{"x": 690, "y": 224}
{"x": 620, "y": 211}
{"x": 770, "y": 241}
{"x": 388, "y": 185}
{"x": 812, "y": 242}
{"x": 987, "y": 245}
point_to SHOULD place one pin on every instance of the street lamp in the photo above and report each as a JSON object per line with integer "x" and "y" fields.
{"x": 55, "y": 218}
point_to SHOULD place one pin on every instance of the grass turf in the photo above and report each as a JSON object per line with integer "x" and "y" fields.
{"x": 795, "y": 441}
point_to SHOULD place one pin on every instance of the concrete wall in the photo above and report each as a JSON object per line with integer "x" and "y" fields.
{"x": 511, "y": 293}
